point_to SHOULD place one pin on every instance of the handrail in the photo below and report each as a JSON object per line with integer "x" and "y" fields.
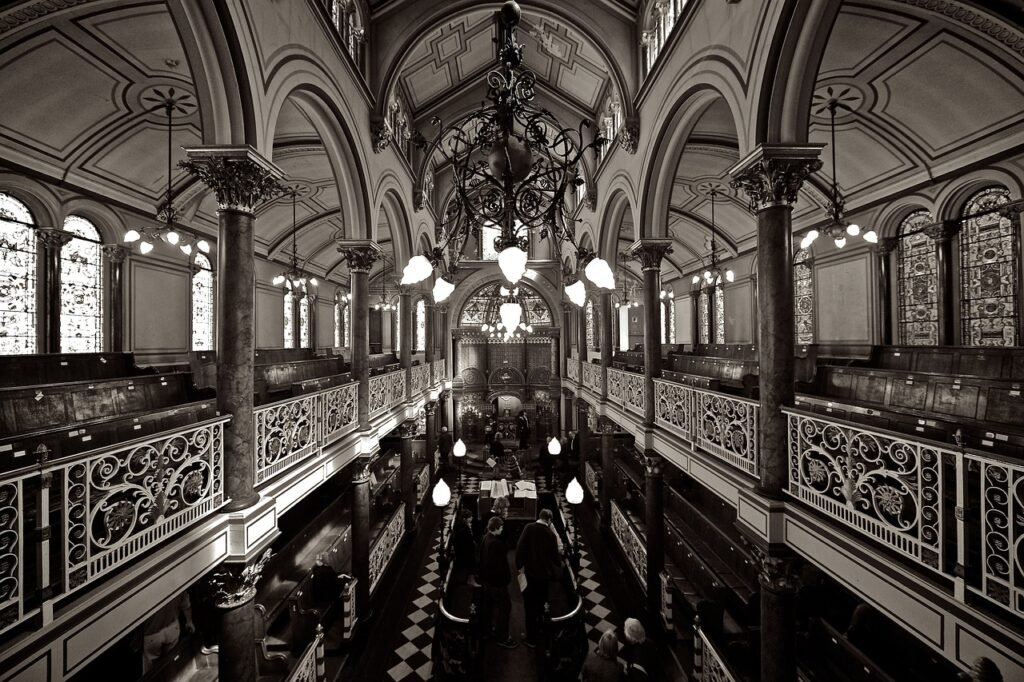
{"x": 310, "y": 666}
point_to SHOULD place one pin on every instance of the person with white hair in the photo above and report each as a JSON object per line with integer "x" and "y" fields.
{"x": 638, "y": 652}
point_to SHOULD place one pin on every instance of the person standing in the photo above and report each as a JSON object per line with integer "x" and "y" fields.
{"x": 574, "y": 447}
{"x": 638, "y": 652}
{"x": 537, "y": 557}
{"x": 495, "y": 576}
{"x": 445, "y": 445}
{"x": 464, "y": 545}
{"x": 523, "y": 425}
{"x": 602, "y": 664}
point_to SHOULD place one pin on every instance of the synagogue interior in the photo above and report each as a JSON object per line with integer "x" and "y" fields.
{"x": 600, "y": 340}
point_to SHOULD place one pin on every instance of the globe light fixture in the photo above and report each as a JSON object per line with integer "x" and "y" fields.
{"x": 145, "y": 247}
{"x": 293, "y": 278}
{"x": 713, "y": 274}
{"x": 577, "y": 293}
{"x": 442, "y": 289}
{"x": 510, "y": 313}
{"x": 574, "y": 492}
{"x": 600, "y": 274}
{"x": 554, "y": 447}
{"x": 441, "y": 494}
{"x": 459, "y": 449}
{"x": 513, "y": 166}
{"x": 417, "y": 270}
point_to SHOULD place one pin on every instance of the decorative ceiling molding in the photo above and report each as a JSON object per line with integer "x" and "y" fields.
{"x": 1002, "y": 32}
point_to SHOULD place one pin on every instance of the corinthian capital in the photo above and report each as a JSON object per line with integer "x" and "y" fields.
{"x": 115, "y": 253}
{"x": 649, "y": 252}
{"x": 771, "y": 175}
{"x": 360, "y": 254}
{"x": 239, "y": 177}
{"x": 235, "y": 586}
{"x": 53, "y": 238}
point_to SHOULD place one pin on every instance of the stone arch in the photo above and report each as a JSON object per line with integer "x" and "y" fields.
{"x": 950, "y": 202}
{"x": 109, "y": 224}
{"x": 41, "y": 201}
{"x": 890, "y": 219}
{"x": 466, "y": 288}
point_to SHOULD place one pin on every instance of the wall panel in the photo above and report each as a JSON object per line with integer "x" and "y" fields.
{"x": 739, "y": 315}
{"x": 269, "y": 316}
{"x": 844, "y": 305}
{"x": 159, "y": 304}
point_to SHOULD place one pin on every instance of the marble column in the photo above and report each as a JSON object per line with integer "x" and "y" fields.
{"x": 654, "y": 513}
{"x": 406, "y": 431}
{"x": 943, "y": 235}
{"x": 607, "y": 345}
{"x": 607, "y": 428}
{"x": 650, "y": 252}
{"x": 778, "y": 619}
{"x": 405, "y": 329}
{"x": 116, "y": 255}
{"x": 883, "y": 250}
{"x": 234, "y": 588}
{"x": 771, "y": 176}
{"x": 53, "y": 240}
{"x": 241, "y": 180}
{"x": 361, "y": 534}
{"x": 430, "y": 410}
{"x": 361, "y": 255}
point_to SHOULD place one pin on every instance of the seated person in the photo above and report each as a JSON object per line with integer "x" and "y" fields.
{"x": 324, "y": 583}
{"x": 497, "y": 450}
{"x": 602, "y": 664}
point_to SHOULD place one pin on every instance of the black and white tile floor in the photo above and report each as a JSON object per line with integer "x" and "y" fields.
{"x": 411, "y": 659}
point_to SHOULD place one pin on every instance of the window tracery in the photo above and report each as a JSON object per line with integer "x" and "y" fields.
{"x": 988, "y": 271}
{"x": 918, "y": 283}
{"x": 17, "y": 278}
{"x": 803, "y": 294}
{"x": 704, "y": 316}
{"x": 202, "y": 303}
{"x": 81, "y": 288}
{"x": 346, "y": 20}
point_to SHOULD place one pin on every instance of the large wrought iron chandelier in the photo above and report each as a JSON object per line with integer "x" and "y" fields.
{"x": 293, "y": 278}
{"x": 507, "y": 316}
{"x": 838, "y": 229}
{"x": 713, "y": 274}
{"x": 148, "y": 236}
{"x": 513, "y": 166}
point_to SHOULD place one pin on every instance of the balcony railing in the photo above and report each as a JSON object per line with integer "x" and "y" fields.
{"x": 419, "y": 380}
{"x": 708, "y": 663}
{"x": 310, "y": 667}
{"x": 12, "y": 549}
{"x": 616, "y": 387}
{"x": 725, "y": 426}
{"x": 386, "y": 391}
{"x": 633, "y": 392}
{"x": 927, "y": 501}
{"x": 293, "y": 430}
{"x": 436, "y": 372}
{"x": 633, "y": 546}
{"x": 572, "y": 370}
{"x": 593, "y": 377}
{"x": 119, "y": 502}
{"x": 384, "y": 548}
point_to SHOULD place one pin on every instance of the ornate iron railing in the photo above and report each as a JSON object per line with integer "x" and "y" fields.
{"x": 616, "y": 387}
{"x": 723, "y": 425}
{"x": 423, "y": 482}
{"x": 419, "y": 379}
{"x": 119, "y": 502}
{"x": 386, "y": 544}
{"x": 293, "y": 430}
{"x": 591, "y": 479}
{"x": 708, "y": 664}
{"x": 386, "y": 391}
{"x": 436, "y": 372}
{"x": 12, "y": 549}
{"x": 880, "y": 484}
{"x": 593, "y": 377}
{"x": 633, "y": 546}
{"x": 572, "y": 370}
{"x": 396, "y": 388}
{"x": 311, "y": 664}
{"x": 634, "y": 396}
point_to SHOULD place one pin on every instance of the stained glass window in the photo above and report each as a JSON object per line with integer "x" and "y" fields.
{"x": 917, "y": 273}
{"x": 591, "y": 332}
{"x": 421, "y": 326}
{"x": 202, "y": 304}
{"x": 988, "y": 272}
{"x": 17, "y": 278}
{"x": 664, "y": 322}
{"x": 672, "y": 321}
{"x": 346, "y": 328}
{"x": 289, "y": 320}
{"x": 803, "y": 295}
{"x": 81, "y": 288}
{"x": 704, "y": 316}
{"x": 339, "y": 323}
{"x": 304, "y": 322}
{"x": 483, "y": 305}
{"x": 719, "y": 314}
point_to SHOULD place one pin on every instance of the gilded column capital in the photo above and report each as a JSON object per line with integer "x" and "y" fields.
{"x": 886, "y": 245}
{"x": 944, "y": 231}
{"x": 239, "y": 176}
{"x": 650, "y": 251}
{"x": 776, "y": 573}
{"x": 53, "y": 238}
{"x": 654, "y": 464}
{"x": 772, "y": 175}
{"x": 115, "y": 253}
{"x": 232, "y": 586}
{"x": 361, "y": 471}
{"x": 408, "y": 428}
{"x": 360, "y": 254}
{"x": 430, "y": 408}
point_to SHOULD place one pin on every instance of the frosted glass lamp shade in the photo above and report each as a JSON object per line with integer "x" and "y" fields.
{"x": 512, "y": 262}
{"x": 574, "y": 492}
{"x": 417, "y": 270}
{"x": 459, "y": 449}
{"x": 442, "y": 289}
{"x": 577, "y": 293}
{"x": 203, "y": 245}
{"x": 510, "y": 313}
{"x": 853, "y": 229}
{"x": 442, "y": 494}
{"x": 145, "y": 247}
{"x": 554, "y": 447}
{"x": 600, "y": 273}
{"x": 132, "y": 236}
{"x": 871, "y": 237}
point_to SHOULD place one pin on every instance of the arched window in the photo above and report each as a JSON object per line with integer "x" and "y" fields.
{"x": 719, "y": 314}
{"x": 918, "y": 306}
{"x": 339, "y": 320}
{"x": 988, "y": 271}
{"x": 202, "y": 303}
{"x": 704, "y": 316}
{"x": 591, "y": 332}
{"x": 17, "y": 278}
{"x": 289, "y": 320}
{"x": 81, "y": 288}
{"x": 304, "y": 322}
{"x": 803, "y": 296}
{"x": 662, "y": 18}
{"x": 345, "y": 16}
{"x": 421, "y": 326}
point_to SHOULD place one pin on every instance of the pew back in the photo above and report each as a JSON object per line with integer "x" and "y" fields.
{"x": 59, "y": 368}
{"x": 976, "y": 361}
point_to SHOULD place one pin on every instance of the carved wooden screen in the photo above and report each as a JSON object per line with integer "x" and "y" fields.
{"x": 988, "y": 272}
{"x": 918, "y": 304}
{"x": 17, "y": 278}
{"x": 81, "y": 288}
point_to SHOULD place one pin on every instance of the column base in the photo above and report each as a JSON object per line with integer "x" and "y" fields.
{"x": 242, "y": 503}
{"x": 251, "y": 530}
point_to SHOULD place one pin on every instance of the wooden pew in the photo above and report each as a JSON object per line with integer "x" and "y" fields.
{"x": 59, "y": 368}
{"x": 273, "y": 356}
{"x": 320, "y": 383}
{"x": 975, "y": 361}
{"x": 276, "y": 379}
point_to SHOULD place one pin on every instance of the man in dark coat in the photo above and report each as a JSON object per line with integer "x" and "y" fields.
{"x": 445, "y": 445}
{"x": 537, "y": 557}
{"x": 495, "y": 576}
{"x": 574, "y": 446}
{"x": 464, "y": 545}
{"x": 523, "y": 426}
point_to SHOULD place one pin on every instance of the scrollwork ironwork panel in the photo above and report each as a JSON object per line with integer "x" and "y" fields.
{"x": 726, "y": 427}
{"x": 591, "y": 479}
{"x": 631, "y": 543}
{"x": 616, "y": 388}
{"x": 420, "y": 379}
{"x": 886, "y": 487}
{"x": 396, "y": 388}
{"x": 633, "y": 389}
{"x": 593, "y": 377}
{"x": 572, "y": 370}
{"x": 339, "y": 411}
{"x": 12, "y": 550}
{"x": 384, "y": 548}
{"x": 674, "y": 407}
{"x": 122, "y": 501}
{"x": 379, "y": 394}
{"x": 286, "y": 432}
{"x": 713, "y": 667}
{"x": 1002, "y": 531}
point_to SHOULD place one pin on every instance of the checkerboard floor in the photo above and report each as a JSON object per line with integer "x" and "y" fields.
{"x": 411, "y": 658}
